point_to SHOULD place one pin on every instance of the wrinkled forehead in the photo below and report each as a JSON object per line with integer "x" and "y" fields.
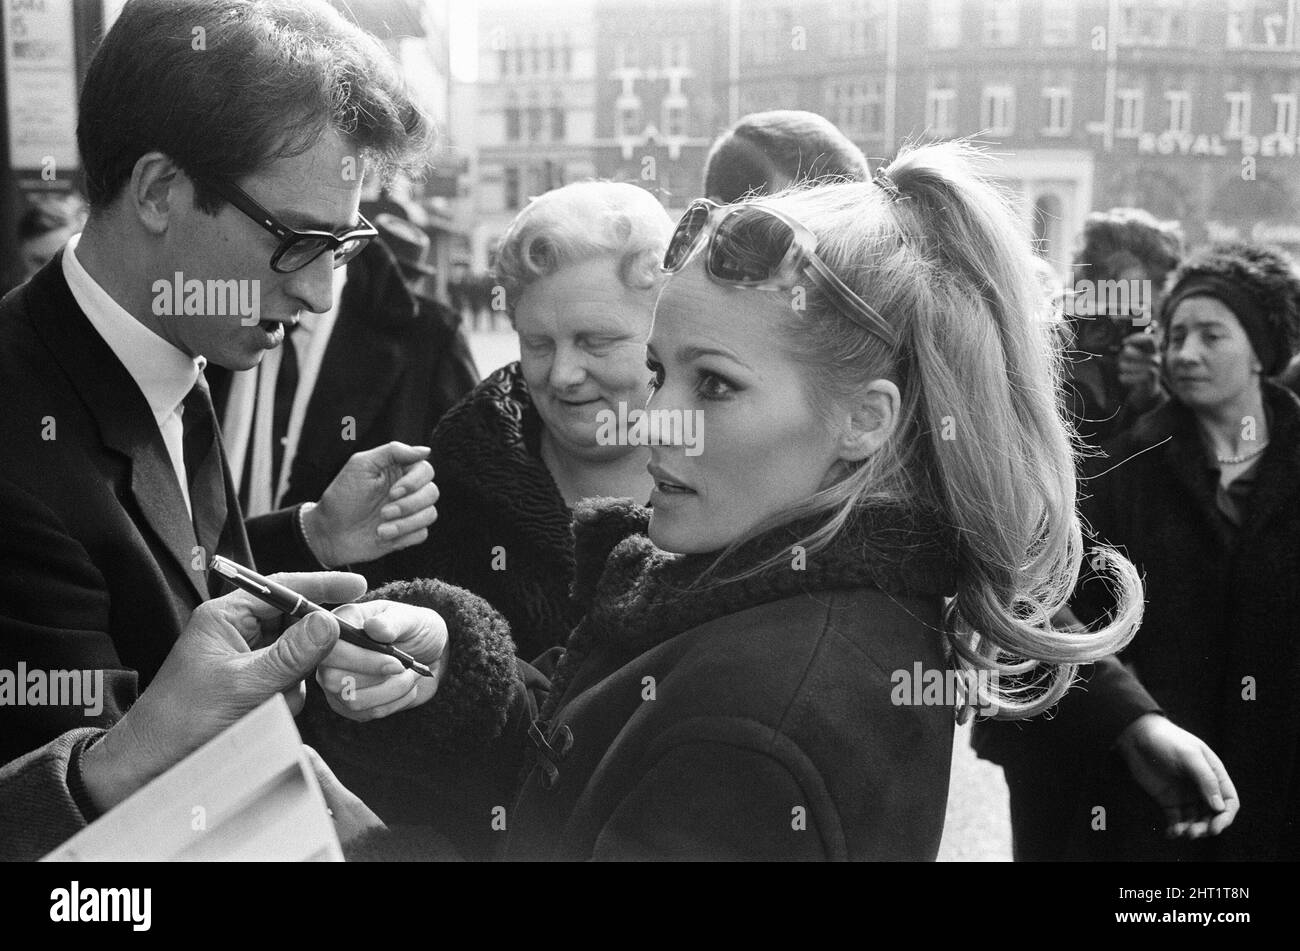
{"x": 583, "y": 298}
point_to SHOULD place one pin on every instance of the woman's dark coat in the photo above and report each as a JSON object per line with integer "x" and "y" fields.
{"x": 751, "y": 720}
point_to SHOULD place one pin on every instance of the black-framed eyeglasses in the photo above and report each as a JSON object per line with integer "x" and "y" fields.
{"x": 297, "y": 249}
{"x": 752, "y": 244}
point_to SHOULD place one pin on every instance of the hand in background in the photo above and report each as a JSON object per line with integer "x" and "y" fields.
{"x": 382, "y": 500}
{"x": 364, "y": 685}
{"x": 1182, "y": 774}
{"x": 1139, "y": 366}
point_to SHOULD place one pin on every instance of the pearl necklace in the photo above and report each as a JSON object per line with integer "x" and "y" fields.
{"x": 1237, "y": 460}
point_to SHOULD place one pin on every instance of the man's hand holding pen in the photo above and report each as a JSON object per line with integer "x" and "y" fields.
{"x": 228, "y": 661}
{"x": 364, "y": 685}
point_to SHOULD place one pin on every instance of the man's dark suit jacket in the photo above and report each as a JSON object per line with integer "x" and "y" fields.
{"x": 394, "y": 365}
{"x": 98, "y": 568}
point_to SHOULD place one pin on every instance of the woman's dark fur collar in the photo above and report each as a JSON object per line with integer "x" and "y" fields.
{"x": 488, "y": 444}
{"x": 636, "y": 595}
{"x": 623, "y": 579}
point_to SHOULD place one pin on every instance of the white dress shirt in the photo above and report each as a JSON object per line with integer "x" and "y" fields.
{"x": 163, "y": 373}
{"x": 250, "y": 409}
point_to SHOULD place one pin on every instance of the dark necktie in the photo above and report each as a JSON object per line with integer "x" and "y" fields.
{"x": 286, "y": 384}
{"x": 203, "y": 467}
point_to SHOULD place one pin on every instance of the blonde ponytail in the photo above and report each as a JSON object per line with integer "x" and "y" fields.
{"x": 935, "y": 247}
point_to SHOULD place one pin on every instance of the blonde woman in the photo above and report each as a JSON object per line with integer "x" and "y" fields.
{"x": 885, "y": 495}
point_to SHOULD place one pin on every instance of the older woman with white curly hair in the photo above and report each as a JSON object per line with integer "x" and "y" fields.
{"x": 578, "y": 270}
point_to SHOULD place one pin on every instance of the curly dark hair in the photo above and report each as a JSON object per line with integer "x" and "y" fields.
{"x": 1116, "y": 239}
{"x": 1265, "y": 279}
{"x": 225, "y": 87}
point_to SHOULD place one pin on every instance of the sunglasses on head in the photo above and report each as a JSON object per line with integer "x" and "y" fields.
{"x": 297, "y": 249}
{"x": 754, "y": 245}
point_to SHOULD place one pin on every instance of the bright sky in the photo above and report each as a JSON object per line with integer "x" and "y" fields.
{"x": 464, "y": 40}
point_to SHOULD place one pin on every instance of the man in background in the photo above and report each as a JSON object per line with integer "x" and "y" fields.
{"x": 765, "y": 152}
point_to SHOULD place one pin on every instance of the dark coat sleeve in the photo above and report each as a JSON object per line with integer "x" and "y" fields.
{"x": 44, "y": 803}
{"x": 1109, "y": 699}
{"x": 278, "y": 543}
{"x": 446, "y": 764}
{"x": 49, "y": 611}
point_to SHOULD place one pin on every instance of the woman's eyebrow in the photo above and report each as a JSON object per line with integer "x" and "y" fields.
{"x": 687, "y": 354}
{"x": 1203, "y": 324}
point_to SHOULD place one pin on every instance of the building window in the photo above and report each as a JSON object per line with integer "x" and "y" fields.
{"x": 1001, "y": 22}
{"x": 512, "y": 188}
{"x": 513, "y": 124}
{"x": 1236, "y": 36}
{"x": 945, "y": 24}
{"x": 534, "y": 124}
{"x": 858, "y": 108}
{"x": 1262, "y": 24}
{"x": 1238, "y": 115}
{"x": 858, "y": 27}
{"x": 1059, "y": 18}
{"x": 675, "y": 53}
{"x": 998, "y": 110}
{"x": 767, "y": 33}
{"x": 557, "y": 123}
{"x": 1057, "y": 107}
{"x": 1130, "y": 113}
{"x": 625, "y": 55}
{"x": 629, "y": 118}
{"x": 546, "y": 176}
{"x": 940, "y": 111}
{"x": 1286, "y": 114}
{"x": 1180, "y": 110}
{"x": 1129, "y": 15}
{"x": 1153, "y": 22}
{"x": 675, "y": 117}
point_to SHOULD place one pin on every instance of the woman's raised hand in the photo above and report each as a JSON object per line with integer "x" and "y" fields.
{"x": 365, "y": 685}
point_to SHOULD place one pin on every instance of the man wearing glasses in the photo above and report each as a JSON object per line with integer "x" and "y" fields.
{"x": 384, "y": 363}
{"x": 223, "y": 142}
